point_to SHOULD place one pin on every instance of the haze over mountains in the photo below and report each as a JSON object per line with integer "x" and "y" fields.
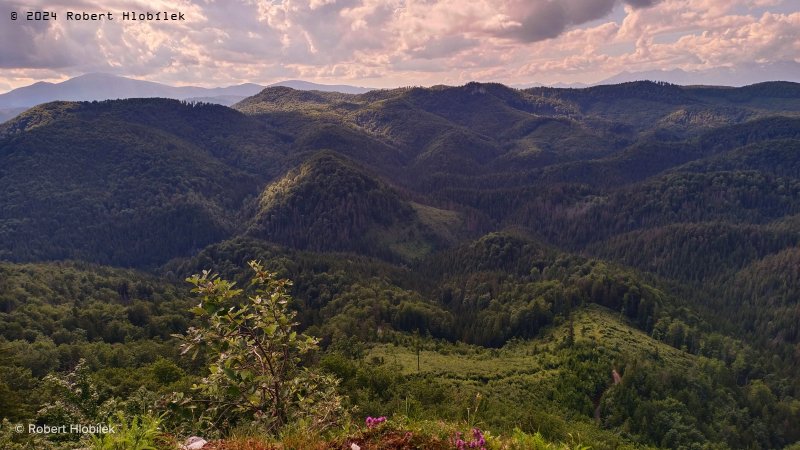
{"x": 98, "y": 86}
{"x": 743, "y": 75}
{"x": 644, "y": 226}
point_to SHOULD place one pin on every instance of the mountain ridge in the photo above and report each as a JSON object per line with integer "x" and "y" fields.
{"x": 103, "y": 86}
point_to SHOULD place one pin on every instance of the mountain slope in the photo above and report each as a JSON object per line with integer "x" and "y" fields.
{"x": 107, "y": 190}
{"x": 567, "y": 165}
{"x": 330, "y": 204}
{"x": 308, "y": 86}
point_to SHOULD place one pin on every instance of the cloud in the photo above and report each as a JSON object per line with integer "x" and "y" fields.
{"x": 443, "y": 46}
{"x": 390, "y": 42}
{"x": 714, "y": 37}
{"x": 641, "y": 3}
{"x": 545, "y": 19}
{"x": 29, "y": 44}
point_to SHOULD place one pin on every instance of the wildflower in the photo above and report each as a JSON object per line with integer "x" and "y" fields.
{"x": 477, "y": 441}
{"x": 373, "y": 422}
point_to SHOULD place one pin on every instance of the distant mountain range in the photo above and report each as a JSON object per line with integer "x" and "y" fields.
{"x": 99, "y": 86}
{"x": 720, "y": 76}
{"x": 301, "y": 85}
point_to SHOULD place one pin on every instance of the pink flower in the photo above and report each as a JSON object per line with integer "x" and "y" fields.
{"x": 477, "y": 441}
{"x": 375, "y": 421}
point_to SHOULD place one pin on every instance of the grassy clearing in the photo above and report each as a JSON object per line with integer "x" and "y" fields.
{"x": 524, "y": 382}
{"x": 593, "y": 325}
{"x": 441, "y": 221}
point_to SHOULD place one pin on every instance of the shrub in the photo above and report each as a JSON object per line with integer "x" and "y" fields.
{"x": 255, "y": 371}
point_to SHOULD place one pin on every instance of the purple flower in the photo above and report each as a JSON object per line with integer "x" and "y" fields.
{"x": 477, "y": 441}
{"x": 375, "y": 421}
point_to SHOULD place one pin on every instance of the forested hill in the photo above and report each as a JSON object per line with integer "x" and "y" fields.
{"x": 475, "y": 214}
{"x": 689, "y": 183}
{"x": 162, "y": 179}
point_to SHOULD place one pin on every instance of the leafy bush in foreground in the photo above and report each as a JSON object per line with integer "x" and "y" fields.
{"x": 256, "y": 372}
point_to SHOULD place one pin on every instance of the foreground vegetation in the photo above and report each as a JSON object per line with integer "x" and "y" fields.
{"x": 589, "y": 376}
{"x": 258, "y": 382}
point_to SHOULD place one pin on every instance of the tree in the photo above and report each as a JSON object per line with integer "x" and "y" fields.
{"x": 255, "y": 355}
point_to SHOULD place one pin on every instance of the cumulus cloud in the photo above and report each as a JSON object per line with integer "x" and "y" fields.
{"x": 641, "y": 3}
{"x": 398, "y": 41}
{"x": 29, "y": 45}
{"x": 544, "y": 19}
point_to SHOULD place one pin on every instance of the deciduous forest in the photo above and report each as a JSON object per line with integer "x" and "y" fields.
{"x": 444, "y": 268}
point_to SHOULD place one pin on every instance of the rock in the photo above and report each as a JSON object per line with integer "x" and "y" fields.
{"x": 354, "y": 446}
{"x": 194, "y": 443}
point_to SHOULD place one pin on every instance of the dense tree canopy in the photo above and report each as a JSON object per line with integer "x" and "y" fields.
{"x": 459, "y": 252}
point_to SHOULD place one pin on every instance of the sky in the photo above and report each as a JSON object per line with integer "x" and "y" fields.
{"x": 388, "y": 43}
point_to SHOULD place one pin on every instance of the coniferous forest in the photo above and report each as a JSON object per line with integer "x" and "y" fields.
{"x": 441, "y": 268}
